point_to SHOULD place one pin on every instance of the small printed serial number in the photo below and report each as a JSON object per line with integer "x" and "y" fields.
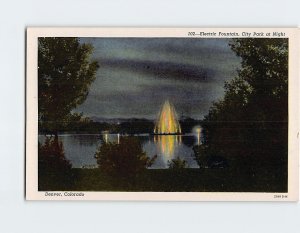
{"x": 280, "y": 196}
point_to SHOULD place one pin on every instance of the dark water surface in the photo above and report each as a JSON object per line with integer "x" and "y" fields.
{"x": 80, "y": 148}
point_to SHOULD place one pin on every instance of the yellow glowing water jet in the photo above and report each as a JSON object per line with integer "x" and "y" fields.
{"x": 167, "y": 122}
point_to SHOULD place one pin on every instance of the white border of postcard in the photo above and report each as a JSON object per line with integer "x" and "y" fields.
{"x": 33, "y": 33}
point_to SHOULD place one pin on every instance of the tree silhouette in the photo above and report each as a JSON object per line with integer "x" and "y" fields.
{"x": 65, "y": 73}
{"x": 54, "y": 170}
{"x": 126, "y": 159}
{"x": 177, "y": 164}
{"x": 252, "y": 117}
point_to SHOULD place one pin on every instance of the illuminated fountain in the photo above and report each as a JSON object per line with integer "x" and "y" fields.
{"x": 167, "y": 132}
{"x": 167, "y": 123}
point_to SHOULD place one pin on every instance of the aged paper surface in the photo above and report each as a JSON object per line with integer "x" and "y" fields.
{"x": 167, "y": 114}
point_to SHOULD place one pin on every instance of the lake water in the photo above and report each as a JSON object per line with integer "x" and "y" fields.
{"x": 80, "y": 148}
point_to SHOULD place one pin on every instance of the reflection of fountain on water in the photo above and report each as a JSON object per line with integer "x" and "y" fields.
{"x": 167, "y": 142}
{"x": 167, "y": 146}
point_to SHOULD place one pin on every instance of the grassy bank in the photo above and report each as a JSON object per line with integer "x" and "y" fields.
{"x": 240, "y": 176}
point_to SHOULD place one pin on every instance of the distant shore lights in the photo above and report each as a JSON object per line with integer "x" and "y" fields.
{"x": 197, "y": 132}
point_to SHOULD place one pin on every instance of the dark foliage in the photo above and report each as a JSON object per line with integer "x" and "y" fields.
{"x": 251, "y": 120}
{"x": 77, "y": 123}
{"x": 54, "y": 170}
{"x": 234, "y": 178}
{"x": 202, "y": 153}
{"x": 177, "y": 164}
{"x": 187, "y": 124}
{"x": 135, "y": 126}
{"x": 126, "y": 159}
{"x": 207, "y": 157}
{"x": 65, "y": 73}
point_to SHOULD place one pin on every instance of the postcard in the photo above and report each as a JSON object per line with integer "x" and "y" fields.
{"x": 162, "y": 114}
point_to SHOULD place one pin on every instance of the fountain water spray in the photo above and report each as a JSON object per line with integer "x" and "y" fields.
{"x": 167, "y": 122}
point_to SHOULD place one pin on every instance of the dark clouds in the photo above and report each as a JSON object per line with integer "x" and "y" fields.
{"x": 136, "y": 75}
{"x": 162, "y": 69}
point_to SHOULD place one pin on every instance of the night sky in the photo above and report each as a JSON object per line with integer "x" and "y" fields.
{"x": 137, "y": 75}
